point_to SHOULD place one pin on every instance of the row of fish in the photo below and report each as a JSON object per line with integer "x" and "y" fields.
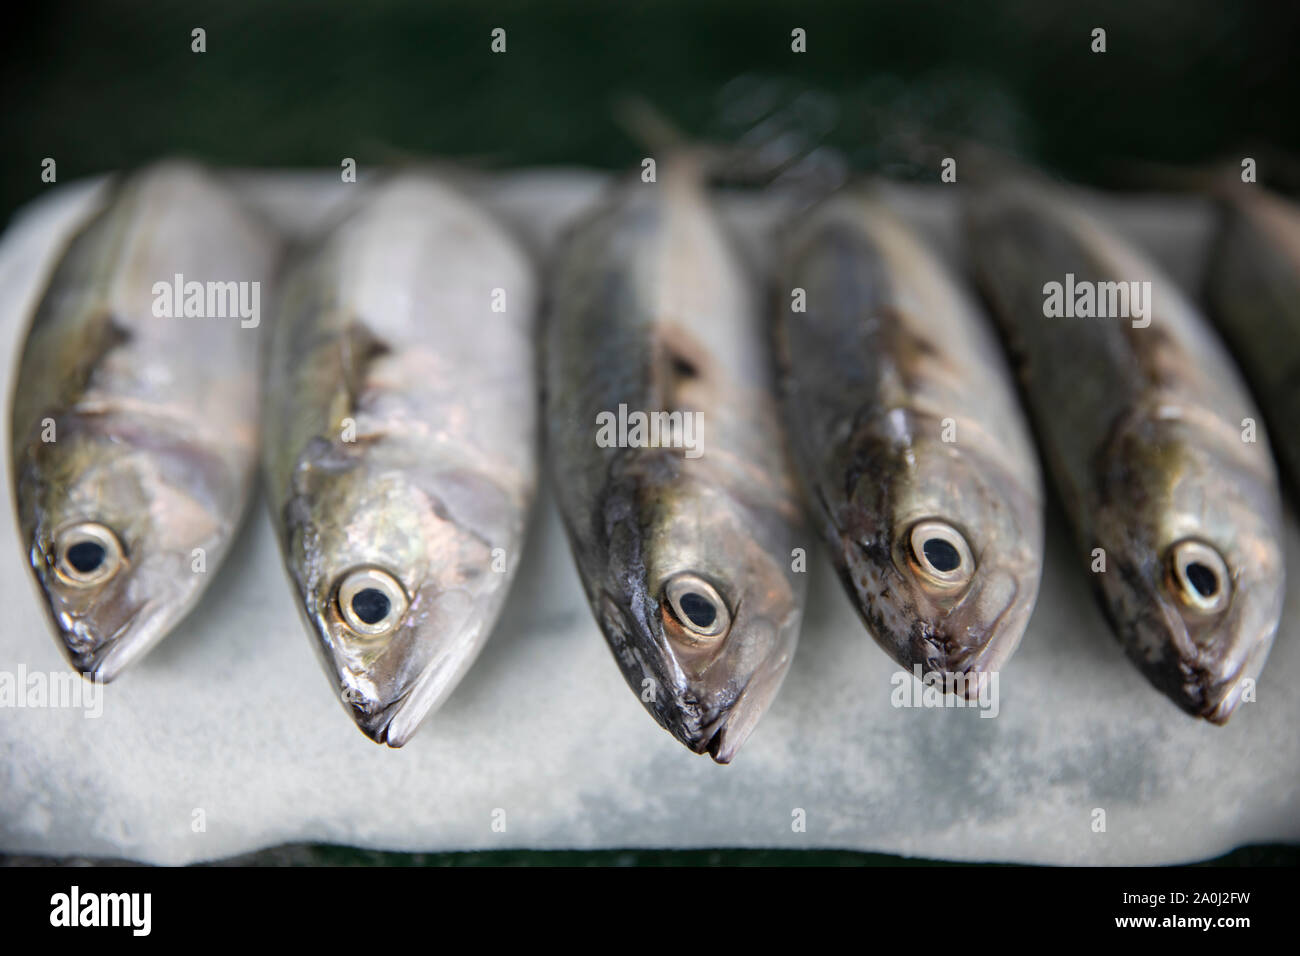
{"x": 397, "y": 390}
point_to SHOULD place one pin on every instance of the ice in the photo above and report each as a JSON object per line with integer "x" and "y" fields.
{"x": 228, "y": 738}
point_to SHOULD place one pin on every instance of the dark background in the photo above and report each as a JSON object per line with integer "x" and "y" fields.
{"x": 100, "y": 87}
{"x": 111, "y": 85}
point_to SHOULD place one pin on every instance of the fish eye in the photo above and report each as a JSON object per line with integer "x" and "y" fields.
{"x": 1199, "y": 577}
{"x": 940, "y": 555}
{"x": 371, "y": 601}
{"x": 697, "y": 606}
{"x": 86, "y": 554}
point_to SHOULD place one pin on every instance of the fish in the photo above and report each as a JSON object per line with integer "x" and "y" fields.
{"x": 916, "y": 459}
{"x": 134, "y": 413}
{"x": 1150, "y": 435}
{"x": 402, "y": 441}
{"x": 1253, "y": 288}
{"x": 685, "y": 542}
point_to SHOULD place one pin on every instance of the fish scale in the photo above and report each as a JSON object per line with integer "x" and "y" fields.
{"x": 155, "y": 415}
{"x": 1254, "y": 289}
{"x": 401, "y": 442}
{"x": 651, "y": 309}
{"x": 887, "y": 354}
{"x": 1144, "y": 428}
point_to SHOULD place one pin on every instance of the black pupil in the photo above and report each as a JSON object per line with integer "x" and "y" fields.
{"x": 698, "y": 608}
{"x": 942, "y": 556}
{"x": 371, "y": 605}
{"x": 86, "y": 556}
{"x": 1203, "y": 579}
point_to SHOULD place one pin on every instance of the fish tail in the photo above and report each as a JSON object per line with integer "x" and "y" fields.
{"x": 688, "y": 161}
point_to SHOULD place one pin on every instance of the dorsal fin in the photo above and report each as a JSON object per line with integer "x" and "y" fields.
{"x": 358, "y": 347}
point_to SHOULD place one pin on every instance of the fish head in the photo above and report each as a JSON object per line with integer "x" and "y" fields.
{"x": 942, "y": 546}
{"x": 398, "y": 580}
{"x": 1193, "y": 579}
{"x": 121, "y": 523}
{"x": 698, "y": 603}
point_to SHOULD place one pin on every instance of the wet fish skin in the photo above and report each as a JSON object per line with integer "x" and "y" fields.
{"x": 1253, "y": 286}
{"x": 651, "y": 309}
{"x": 887, "y": 353}
{"x": 1143, "y": 430}
{"x": 154, "y": 417}
{"x": 401, "y": 437}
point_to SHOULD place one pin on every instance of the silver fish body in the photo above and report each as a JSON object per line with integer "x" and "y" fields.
{"x": 1254, "y": 292}
{"x": 905, "y": 424}
{"x": 134, "y": 426}
{"x": 401, "y": 442}
{"x": 1146, "y": 428}
{"x": 685, "y": 556}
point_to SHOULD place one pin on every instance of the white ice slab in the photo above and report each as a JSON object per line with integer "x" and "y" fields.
{"x": 231, "y": 719}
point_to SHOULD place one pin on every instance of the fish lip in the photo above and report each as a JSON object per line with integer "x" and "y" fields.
{"x": 372, "y": 714}
{"x": 403, "y": 721}
{"x": 725, "y": 742}
{"x": 1220, "y": 697}
{"x": 719, "y": 748}
{"x": 972, "y": 660}
{"x": 376, "y": 724}
{"x": 713, "y": 739}
{"x": 703, "y": 737}
{"x": 933, "y": 658}
{"x": 110, "y": 656}
{"x": 1192, "y": 686}
{"x": 1221, "y": 712}
{"x": 723, "y": 737}
{"x": 396, "y": 720}
{"x": 974, "y": 677}
{"x": 106, "y": 665}
{"x": 931, "y": 647}
{"x": 1001, "y": 638}
{"x": 989, "y": 656}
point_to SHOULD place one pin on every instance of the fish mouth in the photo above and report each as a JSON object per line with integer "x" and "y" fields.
{"x": 103, "y": 659}
{"x": 976, "y": 634}
{"x": 723, "y": 738}
{"x": 720, "y": 737}
{"x": 714, "y": 740}
{"x": 940, "y": 655}
{"x": 1212, "y": 698}
{"x": 1219, "y": 714}
{"x": 700, "y": 711}
{"x": 393, "y": 718}
{"x": 724, "y": 744}
{"x": 937, "y": 649}
{"x": 720, "y": 749}
{"x": 376, "y": 720}
{"x": 391, "y": 722}
{"x": 403, "y": 716}
{"x": 964, "y": 674}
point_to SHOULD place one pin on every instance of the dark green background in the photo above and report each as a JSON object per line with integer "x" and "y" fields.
{"x": 110, "y": 85}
